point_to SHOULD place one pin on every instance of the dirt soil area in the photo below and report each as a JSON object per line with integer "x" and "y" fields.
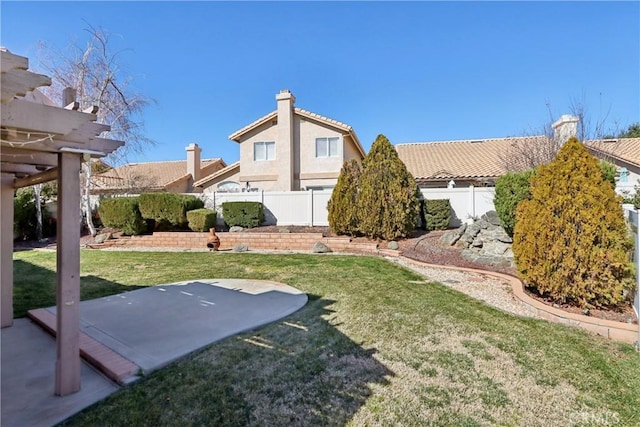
{"x": 420, "y": 245}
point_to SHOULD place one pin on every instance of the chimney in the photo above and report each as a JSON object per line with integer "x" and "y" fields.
{"x": 284, "y": 144}
{"x": 565, "y": 127}
{"x": 193, "y": 160}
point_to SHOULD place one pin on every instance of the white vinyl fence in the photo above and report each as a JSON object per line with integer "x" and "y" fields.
{"x": 280, "y": 207}
{"x": 466, "y": 203}
{"x": 633, "y": 218}
{"x": 310, "y": 207}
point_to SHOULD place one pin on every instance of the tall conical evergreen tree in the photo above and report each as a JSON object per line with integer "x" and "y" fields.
{"x": 388, "y": 202}
{"x": 343, "y": 208}
{"x": 570, "y": 239}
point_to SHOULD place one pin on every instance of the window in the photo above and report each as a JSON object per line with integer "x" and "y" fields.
{"x": 327, "y": 147}
{"x": 264, "y": 150}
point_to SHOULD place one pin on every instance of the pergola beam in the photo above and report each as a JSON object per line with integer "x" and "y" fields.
{"x": 39, "y": 178}
{"x": 21, "y": 114}
{"x": 18, "y": 83}
{"x": 28, "y": 157}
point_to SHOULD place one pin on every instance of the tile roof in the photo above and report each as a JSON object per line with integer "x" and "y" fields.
{"x": 303, "y": 113}
{"x": 150, "y": 175}
{"x": 625, "y": 149}
{"x": 458, "y": 159}
{"x": 215, "y": 175}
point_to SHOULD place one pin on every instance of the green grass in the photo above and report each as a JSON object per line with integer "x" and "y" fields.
{"x": 373, "y": 346}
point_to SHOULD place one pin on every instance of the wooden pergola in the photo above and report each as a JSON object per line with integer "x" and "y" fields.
{"x": 41, "y": 142}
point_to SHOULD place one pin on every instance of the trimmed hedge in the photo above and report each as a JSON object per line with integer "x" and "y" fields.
{"x": 122, "y": 213}
{"x": 201, "y": 219}
{"x": 437, "y": 214}
{"x": 168, "y": 210}
{"x": 243, "y": 214}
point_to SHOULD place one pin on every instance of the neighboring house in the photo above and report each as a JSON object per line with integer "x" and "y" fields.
{"x": 288, "y": 149}
{"x": 625, "y": 154}
{"x": 176, "y": 176}
{"x": 481, "y": 162}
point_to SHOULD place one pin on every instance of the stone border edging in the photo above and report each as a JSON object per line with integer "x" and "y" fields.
{"x": 617, "y": 331}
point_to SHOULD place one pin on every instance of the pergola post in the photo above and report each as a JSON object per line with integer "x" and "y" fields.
{"x": 68, "y": 275}
{"x": 6, "y": 261}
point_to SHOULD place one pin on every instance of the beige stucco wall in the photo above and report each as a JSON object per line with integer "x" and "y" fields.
{"x": 261, "y": 172}
{"x": 232, "y": 175}
{"x": 308, "y": 170}
{"x": 350, "y": 150}
{"x": 318, "y": 170}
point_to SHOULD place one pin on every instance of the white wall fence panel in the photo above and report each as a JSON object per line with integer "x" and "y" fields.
{"x": 466, "y": 203}
{"x": 310, "y": 207}
{"x": 281, "y": 207}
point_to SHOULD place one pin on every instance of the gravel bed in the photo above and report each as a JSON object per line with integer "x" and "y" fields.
{"x": 491, "y": 290}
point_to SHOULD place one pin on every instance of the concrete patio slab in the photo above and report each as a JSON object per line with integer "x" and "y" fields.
{"x": 150, "y": 327}
{"x": 27, "y": 371}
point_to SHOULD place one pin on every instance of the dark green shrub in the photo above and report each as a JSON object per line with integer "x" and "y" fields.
{"x": 634, "y": 199}
{"x": 571, "y": 242}
{"x": 609, "y": 172}
{"x": 25, "y": 215}
{"x": 168, "y": 210}
{"x": 343, "y": 205}
{"x": 388, "y": 201}
{"x": 511, "y": 188}
{"x": 437, "y": 214}
{"x": 201, "y": 219}
{"x": 243, "y": 214}
{"x": 122, "y": 213}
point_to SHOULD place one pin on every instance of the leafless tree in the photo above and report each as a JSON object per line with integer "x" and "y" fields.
{"x": 540, "y": 146}
{"x": 94, "y": 72}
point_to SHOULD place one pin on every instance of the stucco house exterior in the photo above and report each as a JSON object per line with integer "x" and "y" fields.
{"x": 625, "y": 154}
{"x": 288, "y": 149}
{"x": 176, "y": 176}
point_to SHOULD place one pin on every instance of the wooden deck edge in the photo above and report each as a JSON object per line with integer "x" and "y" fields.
{"x": 113, "y": 365}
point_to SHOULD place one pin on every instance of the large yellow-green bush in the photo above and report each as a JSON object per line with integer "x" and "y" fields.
{"x": 388, "y": 201}
{"x": 343, "y": 209}
{"x": 570, "y": 241}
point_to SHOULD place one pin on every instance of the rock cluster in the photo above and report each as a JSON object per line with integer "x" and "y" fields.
{"x": 484, "y": 241}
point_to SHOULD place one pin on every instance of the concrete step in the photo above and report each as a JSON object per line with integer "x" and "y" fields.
{"x": 107, "y": 361}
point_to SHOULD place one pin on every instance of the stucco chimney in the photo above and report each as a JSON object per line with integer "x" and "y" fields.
{"x": 565, "y": 127}
{"x": 193, "y": 160}
{"x": 285, "y": 143}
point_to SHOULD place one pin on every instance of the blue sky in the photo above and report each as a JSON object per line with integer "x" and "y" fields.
{"x": 414, "y": 71}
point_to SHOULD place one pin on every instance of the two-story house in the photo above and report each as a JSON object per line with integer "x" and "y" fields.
{"x": 288, "y": 149}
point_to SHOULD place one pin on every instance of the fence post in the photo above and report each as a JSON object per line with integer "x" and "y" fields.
{"x": 310, "y": 207}
{"x": 472, "y": 201}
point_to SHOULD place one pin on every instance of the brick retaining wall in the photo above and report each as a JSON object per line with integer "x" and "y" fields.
{"x": 258, "y": 241}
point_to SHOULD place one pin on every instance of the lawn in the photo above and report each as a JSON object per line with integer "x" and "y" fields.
{"x": 375, "y": 345}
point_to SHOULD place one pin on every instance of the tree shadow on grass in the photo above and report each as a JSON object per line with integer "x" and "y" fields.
{"x": 35, "y": 287}
{"x": 300, "y": 370}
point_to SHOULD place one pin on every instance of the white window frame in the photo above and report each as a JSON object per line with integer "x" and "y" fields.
{"x": 265, "y": 145}
{"x": 328, "y": 152}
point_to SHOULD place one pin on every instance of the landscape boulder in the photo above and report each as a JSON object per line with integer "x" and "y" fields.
{"x": 101, "y": 238}
{"x": 320, "y": 248}
{"x": 393, "y": 245}
{"x": 236, "y": 229}
{"x": 240, "y": 247}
